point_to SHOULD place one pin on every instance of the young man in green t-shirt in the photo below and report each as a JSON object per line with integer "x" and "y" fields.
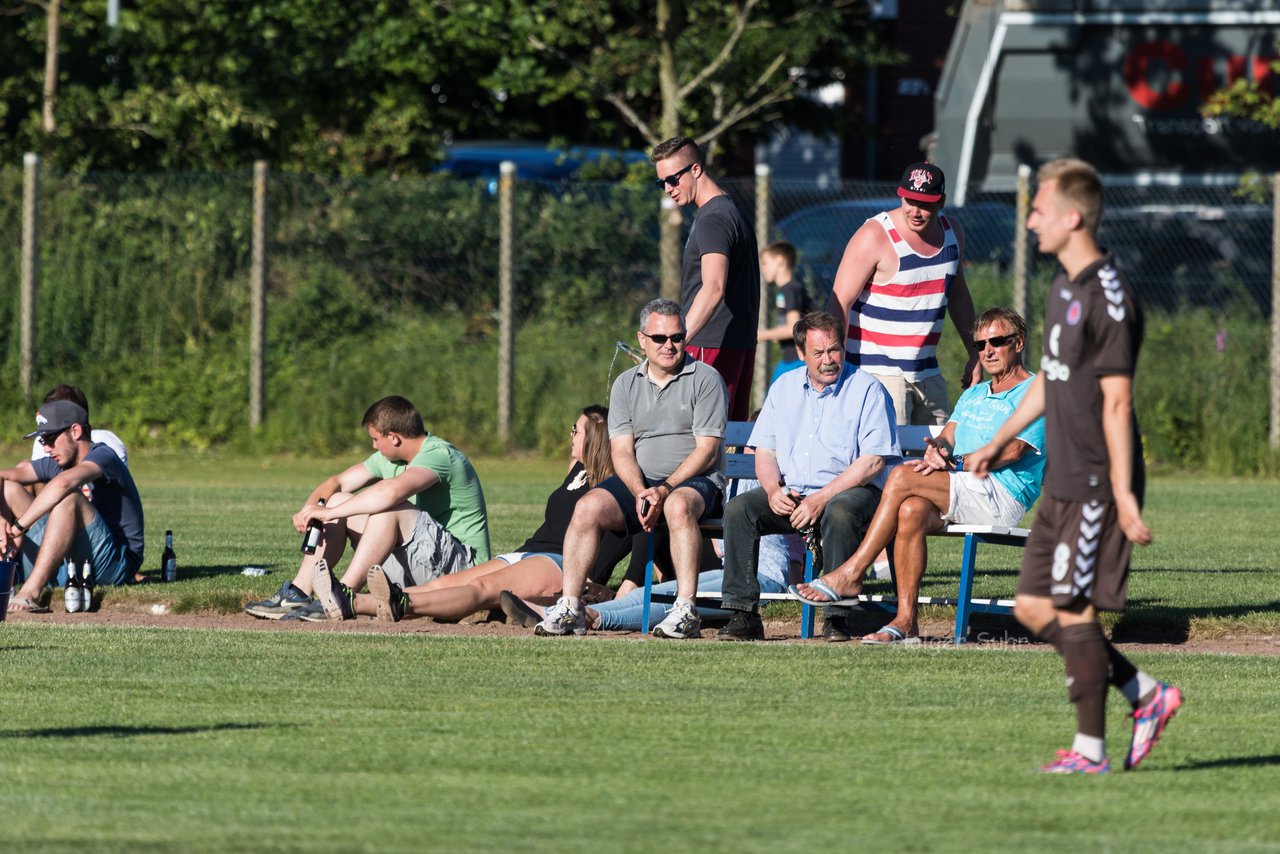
{"x": 415, "y": 508}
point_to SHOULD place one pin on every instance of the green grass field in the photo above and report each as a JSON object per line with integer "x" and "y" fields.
{"x": 154, "y": 739}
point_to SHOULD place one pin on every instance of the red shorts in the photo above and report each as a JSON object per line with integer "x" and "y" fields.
{"x": 1076, "y": 551}
{"x": 736, "y": 366}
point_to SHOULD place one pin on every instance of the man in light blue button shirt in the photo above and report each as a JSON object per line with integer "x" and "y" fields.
{"x": 925, "y": 495}
{"x": 824, "y": 442}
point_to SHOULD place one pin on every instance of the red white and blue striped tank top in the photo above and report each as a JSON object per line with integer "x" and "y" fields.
{"x": 894, "y": 326}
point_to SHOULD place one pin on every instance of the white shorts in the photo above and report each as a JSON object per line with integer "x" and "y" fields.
{"x": 515, "y": 557}
{"x": 977, "y": 501}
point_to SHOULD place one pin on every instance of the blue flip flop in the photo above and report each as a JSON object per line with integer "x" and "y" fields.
{"x": 822, "y": 587}
{"x": 896, "y": 636}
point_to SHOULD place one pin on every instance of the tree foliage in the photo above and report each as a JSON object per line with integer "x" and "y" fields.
{"x": 658, "y": 67}
{"x": 372, "y": 86}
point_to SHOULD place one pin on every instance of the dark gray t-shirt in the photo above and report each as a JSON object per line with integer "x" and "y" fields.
{"x": 1093, "y": 328}
{"x": 114, "y": 496}
{"x": 666, "y": 420}
{"x": 790, "y": 297}
{"x": 720, "y": 228}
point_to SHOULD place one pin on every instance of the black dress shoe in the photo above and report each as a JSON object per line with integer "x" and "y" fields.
{"x": 743, "y": 626}
{"x": 835, "y": 628}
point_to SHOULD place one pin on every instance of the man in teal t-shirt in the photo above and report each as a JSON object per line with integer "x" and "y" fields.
{"x": 415, "y": 508}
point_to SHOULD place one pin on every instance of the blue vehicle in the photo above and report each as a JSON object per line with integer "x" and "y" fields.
{"x": 820, "y": 233}
{"x": 534, "y": 160}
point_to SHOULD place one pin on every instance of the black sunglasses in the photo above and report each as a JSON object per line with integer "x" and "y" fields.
{"x": 994, "y": 341}
{"x": 678, "y": 338}
{"x": 674, "y": 178}
{"x": 48, "y": 439}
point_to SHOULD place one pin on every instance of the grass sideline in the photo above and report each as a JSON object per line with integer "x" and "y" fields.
{"x": 128, "y": 739}
{"x": 1211, "y": 572}
{"x": 125, "y": 739}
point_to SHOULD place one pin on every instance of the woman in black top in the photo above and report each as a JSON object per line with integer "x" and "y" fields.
{"x": 531, "y": 571}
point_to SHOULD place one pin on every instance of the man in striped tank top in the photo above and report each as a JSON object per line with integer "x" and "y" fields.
{"x": 901, "y": 273}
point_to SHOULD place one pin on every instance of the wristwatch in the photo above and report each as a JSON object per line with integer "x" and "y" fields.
{"x": 667, "y": 484}
{"x": 22, "y": 529}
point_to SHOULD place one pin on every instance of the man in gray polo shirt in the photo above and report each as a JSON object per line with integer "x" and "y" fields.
{"x": 666, "y": 432}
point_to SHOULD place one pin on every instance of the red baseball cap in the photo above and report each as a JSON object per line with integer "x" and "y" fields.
{"x": 922, "y": 182}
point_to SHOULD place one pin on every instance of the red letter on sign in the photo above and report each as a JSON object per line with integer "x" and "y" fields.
{"x": 1139, "y": 62}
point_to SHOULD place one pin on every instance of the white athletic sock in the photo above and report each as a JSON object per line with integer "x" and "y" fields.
{"x": 1138, "y": 687}
{"x": 1090, "y": 747}
{"x": 686, "y": 601}
{"x": 574, "y": 603}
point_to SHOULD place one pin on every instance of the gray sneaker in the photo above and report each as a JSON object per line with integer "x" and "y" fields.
{"x": 312, "y": 612}
{"x": 681, "y": 622}
{"x": 279, "y": 604}
{"x": 562, "y": 620}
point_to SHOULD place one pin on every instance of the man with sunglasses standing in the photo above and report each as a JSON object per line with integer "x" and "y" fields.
{"x": 923, "y": 495}
{"x": 666, "y": 433}
{"x": 720, "y": 271}
{"x": 62, "y": 523}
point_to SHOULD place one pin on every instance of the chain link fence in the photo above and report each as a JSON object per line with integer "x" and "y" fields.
{"x": 378, "y": 286}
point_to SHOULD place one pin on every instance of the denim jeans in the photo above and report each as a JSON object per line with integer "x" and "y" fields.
{"x": 748, "y": 516}
{"x": 626, "y": 613}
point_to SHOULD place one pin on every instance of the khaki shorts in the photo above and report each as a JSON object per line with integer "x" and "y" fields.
{"x": 918, "y": 402}
{"x": 981, "y": 501}
{"x": 430, "y": 553}
{"x": 1076, "y": 551}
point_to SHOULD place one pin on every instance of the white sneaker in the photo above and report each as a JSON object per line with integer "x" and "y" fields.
{"x": 562, "y": 620}
{"x": 682, "y": 621}
{"x": 880, "y": 570}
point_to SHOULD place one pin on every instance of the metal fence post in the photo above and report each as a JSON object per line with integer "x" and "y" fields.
{"x": 30, "y": 270}
{"x": 1021, "y": 257}
{"x": 760, "y": 387}
{"x": 506, "y": 331}
{"x": 258, "y": 296}
{"x": 1275, "y": 312}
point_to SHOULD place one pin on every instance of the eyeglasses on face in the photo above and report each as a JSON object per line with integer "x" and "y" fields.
{"x": 678, "y": 338}
{"x": 573, "y": 431}
{"x": 994, "y": 341}
{"x": 674, "y": 178}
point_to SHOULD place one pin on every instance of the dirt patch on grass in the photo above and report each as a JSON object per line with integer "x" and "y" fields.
{"x": 985, "y": 633}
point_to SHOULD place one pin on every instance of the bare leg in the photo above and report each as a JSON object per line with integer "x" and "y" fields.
{"x": 904, "y": 483}
{"x": 917, "y": 517}
{"x": 332, "y": 545}
{"x": 596, "y": 512}
{"x": 682, "y": 510}
{"x": 528, "y": 578}
{"x": 465, "y": 576}
{"x": 379, "y": 534}
{"x": 66, "y": 518}
{"x": 364, "y": 603}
